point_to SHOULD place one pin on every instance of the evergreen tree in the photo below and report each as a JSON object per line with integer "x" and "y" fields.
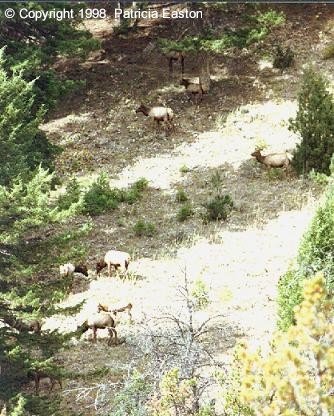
{"x": 315, "y": 124}
{"x": 29, "y": 289}
{"x": 32, "y": 46}
{"x": 22, "y": 145}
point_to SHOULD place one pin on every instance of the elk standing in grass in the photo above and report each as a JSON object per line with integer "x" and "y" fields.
{"x": 100, "y": 321}
{"x": 193, "y": 88}
{"x": 175, "y": 56}
{"x": 273, "y": 160}
{"x": 198, "y": 86}
{"x": 69, "y": 269}
{"x": 38, "y": 375}
{"x": 158, "y": 114}
{"x": 113, "y": 258}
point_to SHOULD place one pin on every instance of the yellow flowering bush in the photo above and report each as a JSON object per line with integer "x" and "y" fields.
{"x": 175, "y": 395}
{"x": 297, "y": 376}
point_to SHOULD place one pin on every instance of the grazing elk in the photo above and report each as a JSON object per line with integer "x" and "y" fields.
{"x": 158, "y": 114}
{"x": 69, "y": 269}
{"x": 113, "y": 258}
{"x": 196, "y": 87}
{"x": 105, "y": 308}
{"x": 273, "y": 160}
{"x": 99, "y": 321}
{"x": 38, "y": 375}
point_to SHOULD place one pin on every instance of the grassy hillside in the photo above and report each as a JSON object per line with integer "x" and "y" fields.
{"x": 188, "y": 274}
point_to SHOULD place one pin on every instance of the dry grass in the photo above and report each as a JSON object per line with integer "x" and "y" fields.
{"x": 240, "y": 260}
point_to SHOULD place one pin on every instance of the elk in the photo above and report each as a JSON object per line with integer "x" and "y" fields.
{"x": 99, "y": 321}
{"x": 38, "y": 375}
{"x": 105, "y": 308}
{"x": 113, "y": 258}
{"x": 69, "y": 269}
{"x": 194, "y": 88}
{"x": 273, "y": 160}
{"x": 158, "y": 114}
{"x": 198, "y": 86}
{"x": 34, "y": 326}
{"x": 175, "y": 56}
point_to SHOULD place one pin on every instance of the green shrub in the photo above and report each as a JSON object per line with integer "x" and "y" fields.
{"x": 270, "y": 18}
{"x": 140, "y": 185}
{"x": 185, "y": 212}
{"x": 143, "y": 228}
{"x": 328, "y": 52}
{"x": 217, "y": 182}
{"x": 135, "y": 191}
{"x": 315, "y": 124}
{"x": 275, "y": 173}
{"x": 200, "y": 294}
{"x": 283, "y": 58}
{"x": 254, "y": 29}
{"x": 218, "y": 208}
{"x": 181, "y": 196}
{"x": 319, "y": 178}
{"x": 315, "y": 254}
{"x": 48, "y": 88}
{"x": 100, "y": 197}
{"x": 71, "y": 196}
{"x": 184, "y": 169}
{"x": 131, "y": 399}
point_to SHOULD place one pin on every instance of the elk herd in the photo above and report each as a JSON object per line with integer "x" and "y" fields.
{"x": 196, "y": 87}
{"x": 104, "y": 317}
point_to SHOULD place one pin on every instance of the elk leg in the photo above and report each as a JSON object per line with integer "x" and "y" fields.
{"x": 170, "y": 63}
{"x": 52, "y": 384}
{"x": 130, "y": 316}
{"x": 182, "y": 65}
{"x": 94, "y": 334}
{"x": 115, "y": 333}
{"x": 36, "y": 385}
{"x": 109, "y": 269}
{"x": 111, "y": 334}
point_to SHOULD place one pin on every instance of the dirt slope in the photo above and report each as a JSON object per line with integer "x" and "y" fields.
{"x": 241, "y": 259}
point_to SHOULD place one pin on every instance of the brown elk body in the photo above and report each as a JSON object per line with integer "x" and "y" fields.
{"x": 105, "y": 308}
{"x": 37, "y": 376}
{"x": 175, "y": 56}
{"x": 273, "y": 160}
{"x": 34, "y": 326}
{"x": 113, "y": 258}
{"x": 68, "y": 269}
{"x": 100, "y": 321}
{"x": 194, "y": 87}
{"x": 158, "y": 114}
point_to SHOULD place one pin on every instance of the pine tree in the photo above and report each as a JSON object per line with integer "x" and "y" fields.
{"x": 30, "y": 251}
{"x": 22, "y": 145}
{"x": 315, "y": 124}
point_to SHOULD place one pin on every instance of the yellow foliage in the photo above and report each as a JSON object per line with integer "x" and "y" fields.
{"x": 175, "y": 395}
{"x": 296, "y": 377}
